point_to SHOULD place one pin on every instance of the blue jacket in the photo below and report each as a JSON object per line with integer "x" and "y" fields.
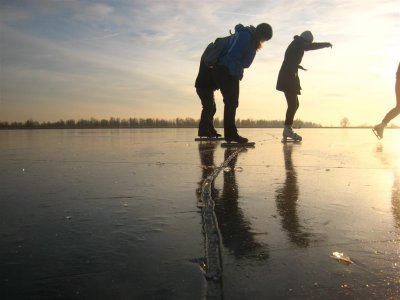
{"x": 240, "y": 51}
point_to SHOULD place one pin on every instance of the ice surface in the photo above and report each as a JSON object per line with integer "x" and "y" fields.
{"x": 114, "y": 214}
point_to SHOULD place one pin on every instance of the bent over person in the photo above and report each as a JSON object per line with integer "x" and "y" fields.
{"x": 288, "y": 78}
{"x": 237, "y": 55}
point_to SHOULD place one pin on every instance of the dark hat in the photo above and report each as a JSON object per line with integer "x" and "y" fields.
{"x": 264, "y": 30}
{"x": 307, "y": 35}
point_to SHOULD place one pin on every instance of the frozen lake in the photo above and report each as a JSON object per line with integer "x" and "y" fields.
{"x": 115, "y": 214}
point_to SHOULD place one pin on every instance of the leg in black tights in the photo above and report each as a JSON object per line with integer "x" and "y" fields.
{"x": 293, "y": 104}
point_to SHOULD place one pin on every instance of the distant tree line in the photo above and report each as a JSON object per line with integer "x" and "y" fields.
{"x": 145, "y": 123}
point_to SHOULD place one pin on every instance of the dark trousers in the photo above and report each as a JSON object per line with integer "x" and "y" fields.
{"x": 394, "y": 112}
{"x": 292, "y": 106}
{"x": 206, "y": 125}
{"x": 229, "y": 86}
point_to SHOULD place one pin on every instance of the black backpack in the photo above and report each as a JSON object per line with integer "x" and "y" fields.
{"x": 214, "y": 50}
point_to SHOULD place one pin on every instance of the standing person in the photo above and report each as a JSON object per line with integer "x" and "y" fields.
{"x": 238, "y": 54}
{"x": 205, "y": 87}
{"x": 394, "y": 112}
{"x": 288, "y": 78}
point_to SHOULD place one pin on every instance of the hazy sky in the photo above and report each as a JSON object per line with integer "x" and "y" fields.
{"x": 72, "y": 59}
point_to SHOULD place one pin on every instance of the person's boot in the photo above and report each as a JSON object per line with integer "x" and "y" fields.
{"x": 237, "y": 138}
{"x": 289, "y": 134}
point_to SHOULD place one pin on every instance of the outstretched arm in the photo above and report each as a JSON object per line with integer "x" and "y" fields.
{"x": 316, "y": 46}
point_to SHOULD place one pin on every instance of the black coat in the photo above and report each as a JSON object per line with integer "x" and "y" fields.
{"x": 288, "y": 78}
{"x": 204, "y": 79}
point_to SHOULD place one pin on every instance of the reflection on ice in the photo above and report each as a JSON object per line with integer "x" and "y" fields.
{"x": 286, "y": 201}
{"x": 99, "y": 212}
{"x": 396, "y": 198}
{"x": 392, "y": 161}
{"x": 235, "y": 227}
{"x": 212, "y": 265}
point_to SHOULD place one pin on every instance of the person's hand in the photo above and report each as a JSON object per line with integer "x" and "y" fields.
{"x": 304, "y": 69}
{"x": 329, "y": 45}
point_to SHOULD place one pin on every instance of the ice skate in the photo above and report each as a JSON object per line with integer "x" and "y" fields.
{"x": 290, "y": 136}
{"x": 204, "y": 132}
{"x": 378, "y": 131}
{"x": 208, "y": 135}
{"x": 214, "y": 133}
{"x": 208, "y": 139}
{"x": 237, "y": 141}
{"x": 237, "y": 145}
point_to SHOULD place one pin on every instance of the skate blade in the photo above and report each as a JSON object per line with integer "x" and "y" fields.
{"x": 289, "y": 140}
{"x": 232, "y": 145}
{"x": 208, "y": 139}
{"x": 376, "y": 133}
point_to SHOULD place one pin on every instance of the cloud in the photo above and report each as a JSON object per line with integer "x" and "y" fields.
{"x": 144, "y": 54}
{"x": 94, "y": 12}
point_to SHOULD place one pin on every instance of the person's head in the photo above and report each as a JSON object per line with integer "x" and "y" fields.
{"x": 263, "y": 33}
{"x": 307, "y": 36}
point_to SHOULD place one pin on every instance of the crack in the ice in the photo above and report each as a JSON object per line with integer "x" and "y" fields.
{"x": 213, "y": 258}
